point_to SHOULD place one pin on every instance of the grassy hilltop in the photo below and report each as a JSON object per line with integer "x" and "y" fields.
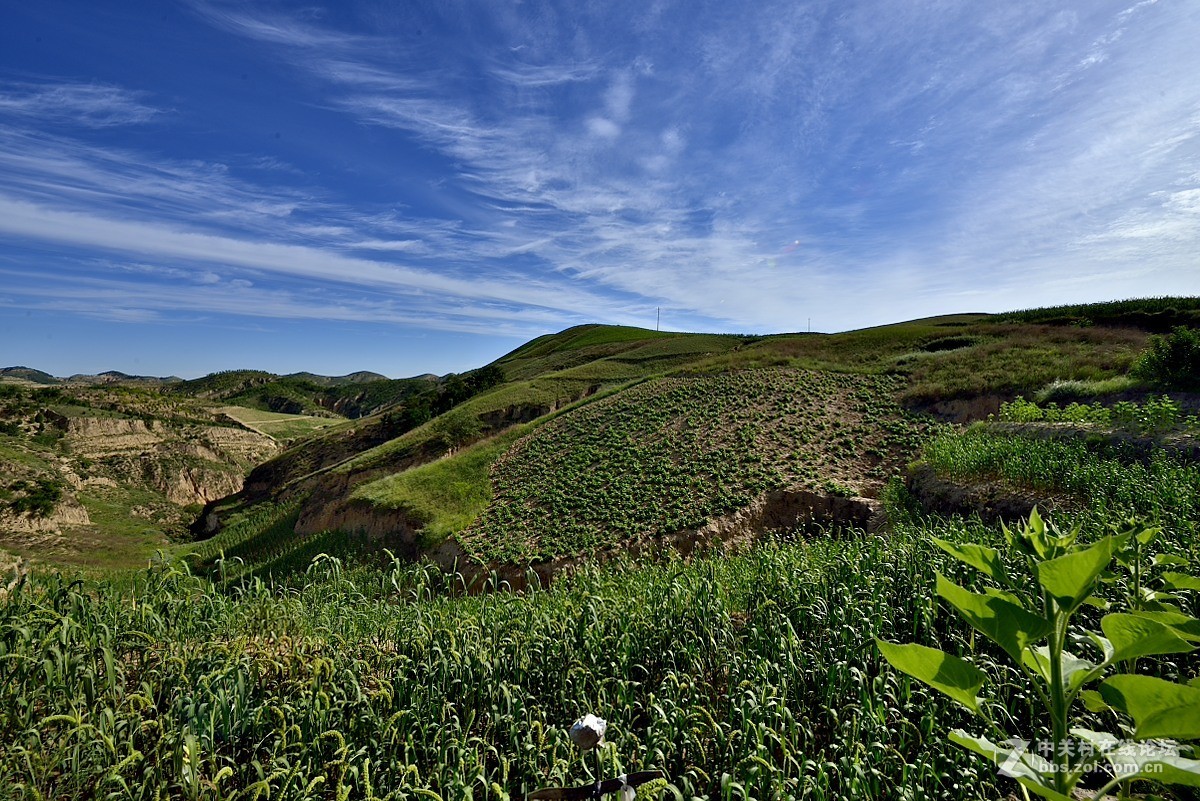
{"x": 660, "y": 432}
{"x": 318, "y": 638}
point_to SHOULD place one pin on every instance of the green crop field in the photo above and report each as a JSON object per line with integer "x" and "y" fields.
{"x": 283, "y": 427}
{"x": 270, "y": 660}
{"x": 743, "y": 677}
{"x": 670, "y": 454}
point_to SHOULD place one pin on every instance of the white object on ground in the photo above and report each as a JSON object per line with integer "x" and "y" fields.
{"x": 588, "y": 732}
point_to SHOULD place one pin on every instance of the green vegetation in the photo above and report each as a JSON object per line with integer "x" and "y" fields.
{"x": 445, "y": 496}
{"x": 456, "y": 428}
{"x": 1157, "y": 416}
{"x": 1034, "y": 598}
{"x": 1109, "y": 479}
{"x": 1023, "y": 359}
{"x": 1155, "y": 314}
{"x": 671, "y": 454}
{"x": 749, "y": 672}
{"x": 254, "y": 536}
{"x": 356, "y": 395}
{"x": 36, "y": 499}
{"x": 1172, "y": 361}
{"x": 282, "y": 427}
{"x": 261, "y": 663}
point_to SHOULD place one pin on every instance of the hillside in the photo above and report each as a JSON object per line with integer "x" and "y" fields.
{"x": 592, "y": 443}
{"x": 351, "y": 396}
{"x": 779, "y": 567}
{"x": 102, "y": 475}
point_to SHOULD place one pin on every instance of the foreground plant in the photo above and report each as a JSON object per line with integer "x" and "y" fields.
{"x": 1029, "y": 614}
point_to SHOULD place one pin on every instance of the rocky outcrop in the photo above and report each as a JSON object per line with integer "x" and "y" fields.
{"x": 104, "y": 436}
{"x": 190, "y": 484}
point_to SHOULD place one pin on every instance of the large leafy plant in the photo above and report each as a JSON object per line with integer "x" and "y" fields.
{"x": 1030, "y": 612}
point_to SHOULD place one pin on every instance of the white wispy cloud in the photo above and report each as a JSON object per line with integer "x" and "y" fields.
{"x": 745, "y": 167}
{"x": 33, "y": 222}
{"x": 89, "y": 105}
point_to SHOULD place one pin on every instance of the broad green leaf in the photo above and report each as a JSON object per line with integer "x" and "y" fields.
{"x": 947, "y": 674}
{"x": 1104, "y": 645}
{"x": 1170, "y": 559}
{"x": 1147, "y": 535}
{"x": 984, "y": 559}
{"x": 1069, "y": 578}
{"x": 992, "y": 592}
{"x": 1181, "y": 581}
{"x": 1133, "y": 636}
{"x": 1159, "y": 708}
{"x": 1010, "y": 626}
{"x": 1038, "y": 660}
{"x": 1030, "y": 769}
{"x": 1093, "y": 701}
{"x": 1035, "y": 530}
{"x": 1075, "y": 671}
{"x": 1160, "y": 763}
{"x": 1185, "y": 626}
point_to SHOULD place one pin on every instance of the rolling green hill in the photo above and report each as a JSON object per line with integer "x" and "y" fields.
{"x": 537, "y": 500}
{"x": 779, "y": 567}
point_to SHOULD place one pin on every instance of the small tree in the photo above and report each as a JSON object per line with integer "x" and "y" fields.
{"x": 1171, "y": 361}
{"x": 456, "y": 428}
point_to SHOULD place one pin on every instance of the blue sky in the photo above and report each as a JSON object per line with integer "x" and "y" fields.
{"x": 421, "y": 186}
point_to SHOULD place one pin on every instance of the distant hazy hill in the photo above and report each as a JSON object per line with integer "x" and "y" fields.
{"x": 107, "y": 377}
{"x": 117, "y": 377}
{"x": 28, "y": 374}
{"x": 353, "y": 395}
{"x": 361, "y": 377}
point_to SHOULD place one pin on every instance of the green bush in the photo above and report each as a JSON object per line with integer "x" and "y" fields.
{"x": 1171, "y": 361}
{"x": 39, "y": 499}
{"x": 457, "y": 428}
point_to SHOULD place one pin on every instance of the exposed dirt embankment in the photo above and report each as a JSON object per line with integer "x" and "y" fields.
{"x": 390, "y": 528}
{"x": 288, "y": 468}
{"x": 103, "y": 436}
{"x": 329, "y": 500}
{"x": 187, "y": 464}
{"x": 787, "y": 509}
{"x": 991, "y": 500}
{"x": 67, "y": 513}
{"x": 964, "y": 410}
{"x": 98, "y": 437}
{"x": 190, "y": 484}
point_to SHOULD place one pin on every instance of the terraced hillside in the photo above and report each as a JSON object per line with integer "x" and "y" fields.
{"x": 102, "y": 476}
{"x": 674, "y": 453}
{"x": 294, "y": 660}
{"x": 410, "y": 485}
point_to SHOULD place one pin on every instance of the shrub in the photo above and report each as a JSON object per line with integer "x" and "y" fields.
{"x": 39, "y": 499}
{"x": 1171, "y": 361}
{"x": 456, "y": 429}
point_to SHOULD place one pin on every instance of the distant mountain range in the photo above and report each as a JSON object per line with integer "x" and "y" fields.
{"x": 117, "y": 377}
